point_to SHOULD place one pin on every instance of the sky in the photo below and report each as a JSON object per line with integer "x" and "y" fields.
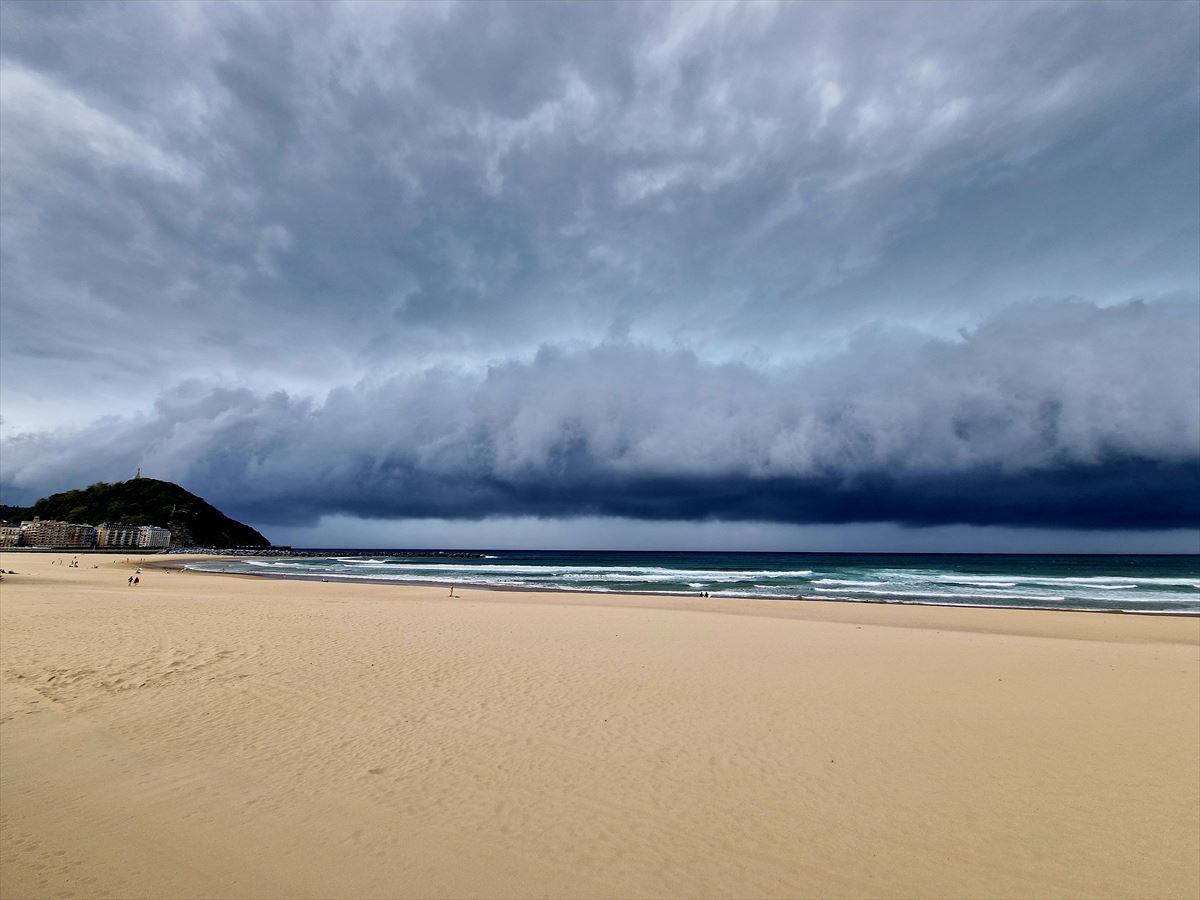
{"x": 702, "y": 275}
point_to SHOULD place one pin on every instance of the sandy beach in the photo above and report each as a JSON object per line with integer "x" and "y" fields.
{"x": 221, "y": 736}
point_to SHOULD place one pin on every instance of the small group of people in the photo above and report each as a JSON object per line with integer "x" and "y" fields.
{"x": 134, "y": 579}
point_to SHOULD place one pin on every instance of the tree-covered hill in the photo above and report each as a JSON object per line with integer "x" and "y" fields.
{"x": 147, "y": 501}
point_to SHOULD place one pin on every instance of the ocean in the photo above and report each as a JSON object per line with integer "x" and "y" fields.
{"x": 1146, "y": 584}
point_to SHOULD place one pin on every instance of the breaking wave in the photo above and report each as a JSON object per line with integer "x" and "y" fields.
{"x": 1142, "y": 584}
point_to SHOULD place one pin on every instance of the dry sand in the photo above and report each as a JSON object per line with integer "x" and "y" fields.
{"x": 216, "y": 736}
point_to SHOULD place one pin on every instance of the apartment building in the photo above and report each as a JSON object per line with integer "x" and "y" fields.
{"x": 68, "y": 535}
{"x": 110, "y": 535}
{"x": 52, "y": 533}
{"x": 81, "y": 536}
{"x": 151, "y": 536}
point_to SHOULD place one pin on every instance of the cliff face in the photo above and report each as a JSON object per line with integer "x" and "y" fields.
{"x": 148, "y": 501}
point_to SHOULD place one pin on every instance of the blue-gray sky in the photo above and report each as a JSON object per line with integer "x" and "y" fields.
{"x": 749, "y": 275}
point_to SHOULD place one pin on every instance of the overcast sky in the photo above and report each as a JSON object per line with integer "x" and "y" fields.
{"x": 801, "y": 276}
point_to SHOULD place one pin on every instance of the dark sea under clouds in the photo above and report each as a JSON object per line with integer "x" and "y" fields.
{"x": 1150, "y": 584}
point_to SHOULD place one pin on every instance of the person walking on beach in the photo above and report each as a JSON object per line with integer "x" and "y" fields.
{"x": 131, "y": 581}
{"x": 136, "y": 580}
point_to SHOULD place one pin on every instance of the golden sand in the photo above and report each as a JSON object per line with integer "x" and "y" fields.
{"x": 216, "y": 736}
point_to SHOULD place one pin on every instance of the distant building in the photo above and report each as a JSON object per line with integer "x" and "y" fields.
{"x": 43, "y": 533}
{"x": 110, "y": 535}
{"x": 81, "y": 536}
{"x": 151, "y": 536}
{"x": 38, "y": 533}
{"x": 52, "y": 533}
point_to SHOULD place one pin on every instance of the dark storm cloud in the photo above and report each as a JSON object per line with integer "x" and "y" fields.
{"x": 330, "y": 239}
{"x": 305, "y": 191}
{"x": 1060, "y": 414}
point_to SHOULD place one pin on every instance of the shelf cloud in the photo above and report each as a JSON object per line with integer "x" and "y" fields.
{"x": 1053, "y": 413}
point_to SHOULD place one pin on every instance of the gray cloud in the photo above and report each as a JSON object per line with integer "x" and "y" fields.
{"x": 649, "y": 253}
{"x": 305, "y": 191}
{"x": 1059, "y": 413}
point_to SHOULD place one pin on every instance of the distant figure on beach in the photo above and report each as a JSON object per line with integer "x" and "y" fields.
{"x": 136, "y": 580}
{"x": 131, "y": 581}
{"x": 451, "y": 590}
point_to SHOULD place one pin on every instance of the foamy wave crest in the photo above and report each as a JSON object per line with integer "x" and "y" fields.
{"x": 616, "y": 573}
{"x": 1103, "y": 582}
{"x": 1126, "y": 582}
{"x": 938, "y": 595}
{"x": 1003, "y": 583}
{"x": 850, "y": 582}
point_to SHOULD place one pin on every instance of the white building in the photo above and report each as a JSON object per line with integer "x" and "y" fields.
{"x": 150, "y": 536}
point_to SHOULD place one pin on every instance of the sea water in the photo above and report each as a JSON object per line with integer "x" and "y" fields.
{"x": 1151, "y": 584}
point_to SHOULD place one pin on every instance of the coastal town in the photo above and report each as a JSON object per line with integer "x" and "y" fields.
{"x": 51, "y": 534}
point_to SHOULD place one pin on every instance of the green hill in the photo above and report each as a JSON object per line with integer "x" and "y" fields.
{"x": 147, "y": 501}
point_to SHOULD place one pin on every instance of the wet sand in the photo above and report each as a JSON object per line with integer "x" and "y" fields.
{"x": 219, "y": 736}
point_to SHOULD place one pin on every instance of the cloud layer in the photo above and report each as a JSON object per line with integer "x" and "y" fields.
{"x": 306, "y": 191}
{"x": 1054, "y": 413}
{"x": 780, "y": 262}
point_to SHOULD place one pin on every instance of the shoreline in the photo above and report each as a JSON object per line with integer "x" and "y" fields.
{"x": 486, "y": 586}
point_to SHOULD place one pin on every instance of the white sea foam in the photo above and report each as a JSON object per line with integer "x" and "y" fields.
{"x": 615, "y": 573}
{"x": 848, "y": 581}
{"x": 1121, "y": 581}
{"x": 937, "y": 595}
{"x": 754, "y": 595}
{"x": 1096, "y": 581}
{"x": 834, "y": 583}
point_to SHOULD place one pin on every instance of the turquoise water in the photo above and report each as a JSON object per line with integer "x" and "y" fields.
{"x": 1155, "y": 584}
